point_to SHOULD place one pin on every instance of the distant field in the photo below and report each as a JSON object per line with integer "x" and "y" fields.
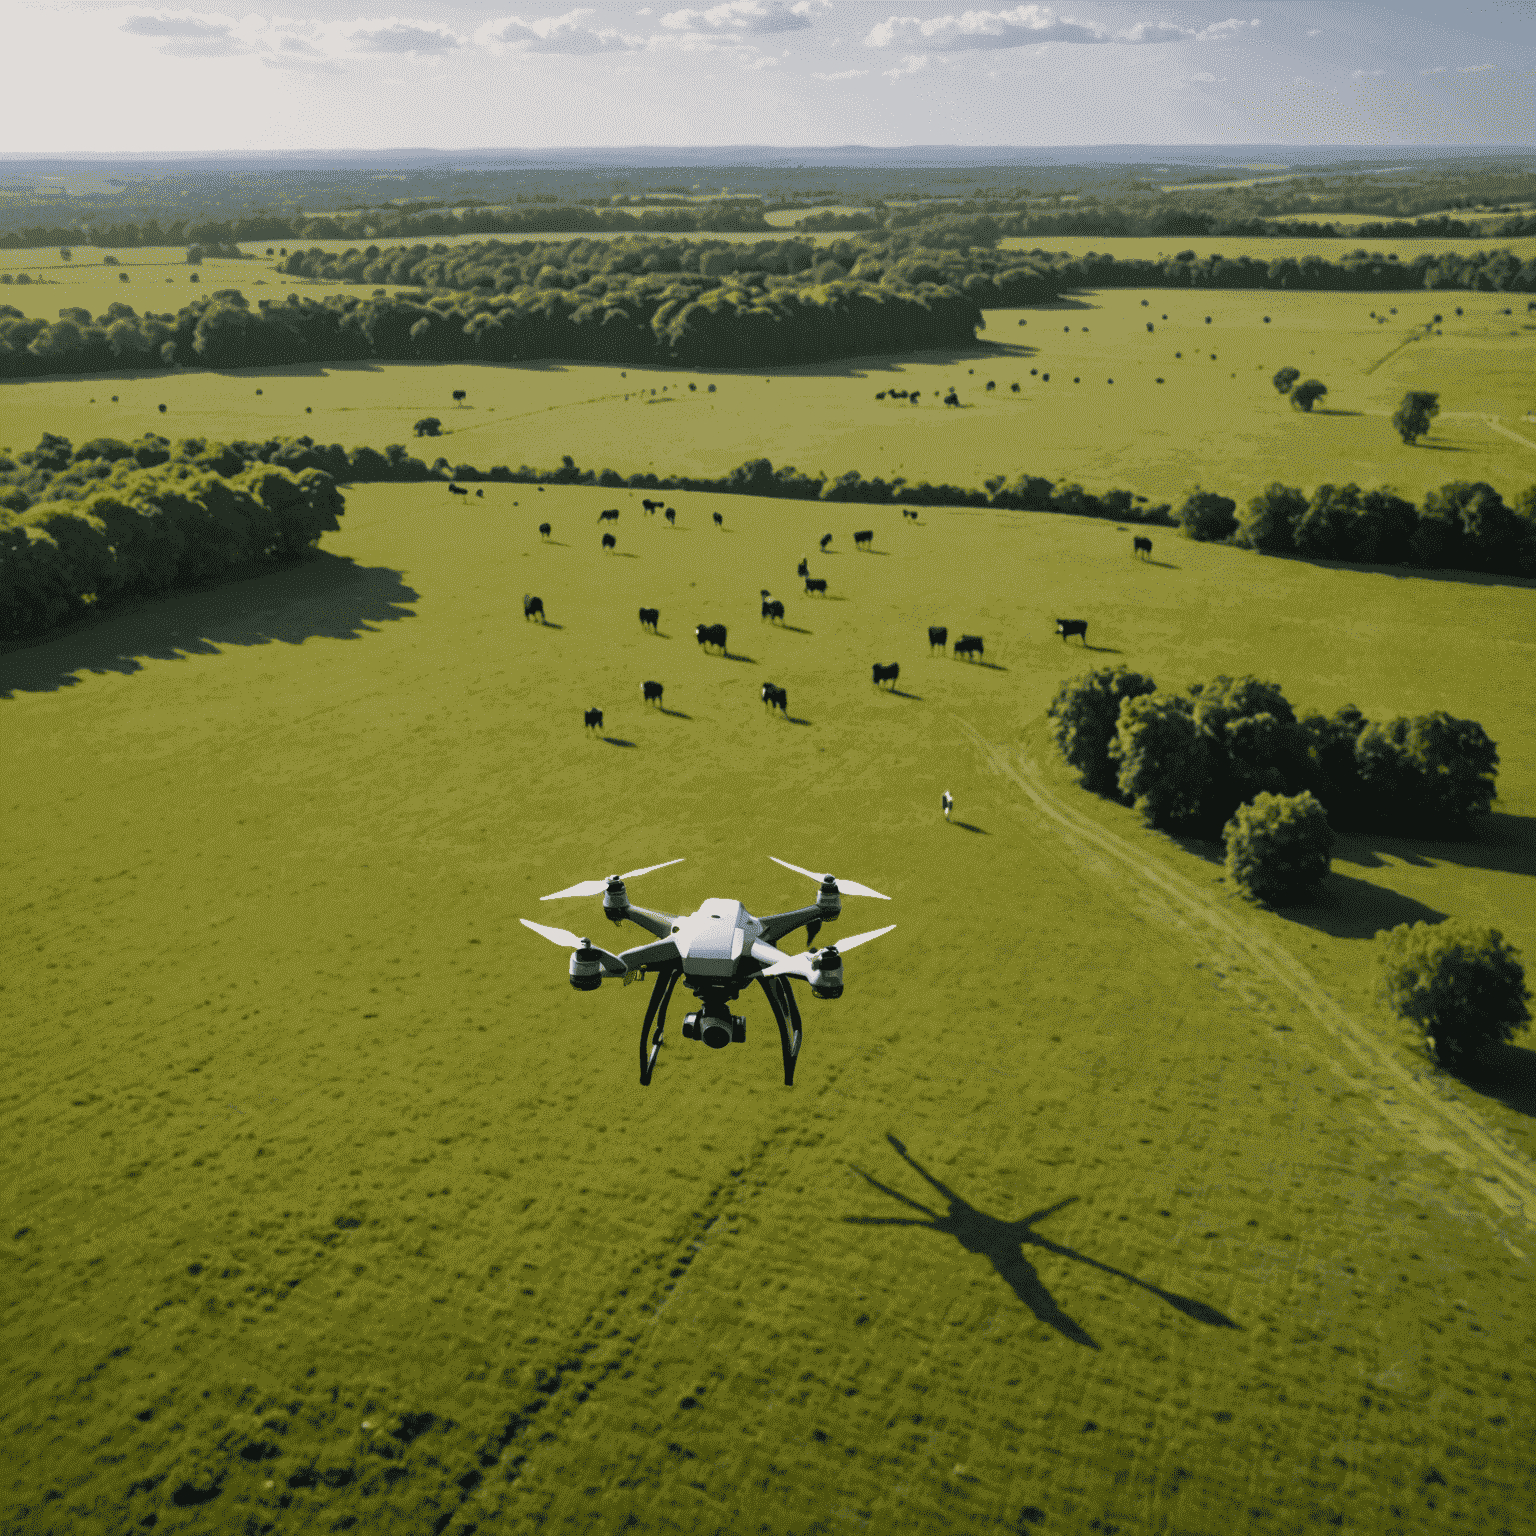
{"x": 1156, "y": 247}
{"x": 330, "y": 1202}
{"x": 1219, "y": 423}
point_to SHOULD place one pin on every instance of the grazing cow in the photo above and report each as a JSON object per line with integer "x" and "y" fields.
{"x": 719, "y": 521}
{"x": 456, "y": 490}
{"x": 938, "y": 635}
{"x": 948, "y": 803}
{"x": 533, "y": 605}
{"x": 865, "y": 539}
{"x": 671, "y": 516}
{"x": 826, "y": 539}
{"x": 886, "y": 674}
{"x": 650, "y": 618}
{"x": 652, "y": 506}
{"x": 610, "y": 516}
{"x": 545, "y": 530}
{"x": 1141, "y": 545}
{"x": 775, "y": 697}
{"x": 804, "y": 568}
{"x": 651, "y": 692}
{"x": 1079, "y": 627}
{"x": 479, "y": 493}
{"x": 710, "y": 634}
{"x": 881, "y": 395}
{"x": 609, "y": 542}
{"x": 593, "y": 719}
{"x": 991, "y": 385}
{"x": 969, "y": 645}
{"x": 1014, "y": 386}
{"x": 951, "y": 398}
{"x": 773, "y": 609}
{"x": 816, "y": 584}
{"x": 905, "y": 512}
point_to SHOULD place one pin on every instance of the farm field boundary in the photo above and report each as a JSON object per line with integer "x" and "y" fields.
{"x": 1439, "y": 1123}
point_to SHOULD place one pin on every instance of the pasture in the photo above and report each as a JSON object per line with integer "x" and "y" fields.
{"x": 1215, "y": 419}
{"x": 332, "y": 1204}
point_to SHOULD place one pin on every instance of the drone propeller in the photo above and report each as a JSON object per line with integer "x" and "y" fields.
{"x": 803, "y": 965}
{"x": 597, "y": 887}
{"x": 569, "y": 940}
{"x": 846, "y": 887}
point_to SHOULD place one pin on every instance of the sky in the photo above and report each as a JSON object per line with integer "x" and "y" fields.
{"x": 323, "y": 74}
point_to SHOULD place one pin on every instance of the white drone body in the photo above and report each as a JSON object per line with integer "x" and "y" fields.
{"x": 716, "y": 952}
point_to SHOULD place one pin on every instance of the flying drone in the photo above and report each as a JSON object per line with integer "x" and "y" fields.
{"x": 716, "y": 952}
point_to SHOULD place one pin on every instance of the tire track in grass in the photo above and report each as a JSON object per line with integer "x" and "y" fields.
{"x": 1439, "y": 1124}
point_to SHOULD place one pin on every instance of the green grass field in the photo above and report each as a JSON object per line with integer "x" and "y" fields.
{"x": 332, "y": 1205}
{"x": 1216, "y": 421}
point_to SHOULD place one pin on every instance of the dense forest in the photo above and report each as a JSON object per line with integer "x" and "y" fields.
{"x": 697, "y": 304}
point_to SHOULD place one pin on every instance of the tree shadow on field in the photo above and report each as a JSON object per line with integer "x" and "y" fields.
{"x": 322, "y": 596}
{"x": 1003, "y": 1243}
{"x": 1506, "y": 1073}
{"x": 1500, "y": 842}
{"x": 1347, "y": 908}
{"x": 1329, "y": 410}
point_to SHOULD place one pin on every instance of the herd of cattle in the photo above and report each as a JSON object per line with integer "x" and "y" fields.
{"x": 713, "y": 636}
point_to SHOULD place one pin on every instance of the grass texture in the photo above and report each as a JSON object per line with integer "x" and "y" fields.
{"x": 1102, "y": 1201}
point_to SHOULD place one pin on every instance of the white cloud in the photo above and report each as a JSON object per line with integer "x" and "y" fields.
{"x": 555, "y": 34}
{"x": 744, "y": 16}
{"x": 765, "y": 63}
{"x": 842, "y": 74}
{"x": 284, "y": 43}
{"x": 392, "y": 35}
{"x": 1472, "y": 69}
{"x": 1030, "y": 25}
{"x": 1314, "y": 31}
{"x": 1367, "y": 74}
{"x": 908, "y": 66}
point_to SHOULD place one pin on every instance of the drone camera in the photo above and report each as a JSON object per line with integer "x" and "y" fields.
{"x": 716, "y": 1030}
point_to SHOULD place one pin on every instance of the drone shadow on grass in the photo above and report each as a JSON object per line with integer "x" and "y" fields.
{"x": 322, "y": 596}
{"x": 1003, "y": 1243}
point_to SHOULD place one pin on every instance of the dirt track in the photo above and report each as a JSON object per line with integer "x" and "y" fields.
{"x": 1408, "y": 1101}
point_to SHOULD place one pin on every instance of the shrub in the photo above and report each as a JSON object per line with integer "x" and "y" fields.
{"x": 1084, "y": 715}
{"x": 1462, "y": 987}
{"x": 1308, "y": 394}
{"x": 1326, "y": 529}
{"x": 1285, "y": 379}
{"x": 428, "y": 426}
{"x": 1278, "y": 847}
{"x": 1254, "y": 743}
{"x": 1269, "y": 520}
{"x": 1481, "y": 532}
{"x": 1332, "y": 769}
{"x": 1429, "y": 774}
{"x": 1414, "y": 414}
{"x": 1383, "y": 530}
{"x": 1207, "y": 516}
{"x": 1161, "y": 757}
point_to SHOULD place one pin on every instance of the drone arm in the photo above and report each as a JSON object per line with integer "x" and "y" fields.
{"x": 659, "y": 924}
{"x": 784, "y": 923}
{"x": 650, "y": 956}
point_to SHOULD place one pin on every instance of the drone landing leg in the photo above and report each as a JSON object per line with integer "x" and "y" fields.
{"x": 661, "y": 995}
{"x": 782, "y": 1000}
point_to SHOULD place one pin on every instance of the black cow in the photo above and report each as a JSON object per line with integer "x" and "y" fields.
{"x": 609, "y": 542}
{"x": 776, "y": 698}
{"x": 719, "y": 521}
{"x": 650, "y": 618}
{"x": 1065, "y": 627}
{"x": 803, "y": 569}
{"x": 906, "y": 513}
{"x": 816, "y": 584}
{"x": 671, "y": 516}
{"x": 610, "y": 516}
{"x": 456, "y": 490}
{"x": 886, "y": 674}
{"x": 479, "y": 493}
{"x": 913, "y": 397}
{"x": 938, "y": 635}
{"x": 1014, "y": 386}
{"x": 865, "y": 539}
{"x": 881, "y": 395}
{"x": 652, "y": 506}
{"x": 651, "y": 692}
{"x": 826, "y": 539}
{"x": 969, "y": 645}
{"x": 951, "y": 398}
{"x": 533, "y": 605}
{"x": 991, "y": 385}
{"x": 710, "y": 634}
{"x": 1140, "y": 545}
{"x": 545, "y": 530}
{"x": 593, "y": 719}
{"x": 773, "y": 609}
